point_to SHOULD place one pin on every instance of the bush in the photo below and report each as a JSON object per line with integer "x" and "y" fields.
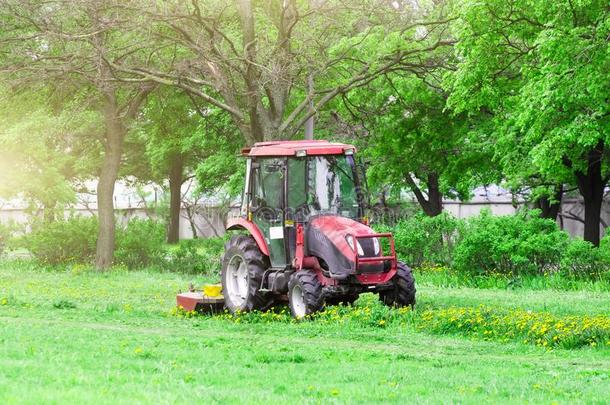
{"x": 196, "y": 256}
{"x": 583, "y": 260}
{"x": 64, "y": 241}
{"x": 513, "y": 244}
{"x": 140, "y": 243}
{"x": 422, "y": 239}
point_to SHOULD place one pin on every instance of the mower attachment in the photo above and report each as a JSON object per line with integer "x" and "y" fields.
{"x": 198, "y": 301}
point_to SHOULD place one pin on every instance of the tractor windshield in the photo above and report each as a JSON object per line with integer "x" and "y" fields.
{"x": 332, "y": 186}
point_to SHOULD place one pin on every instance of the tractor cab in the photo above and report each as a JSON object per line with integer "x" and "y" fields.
{"x": 303, "y": 207}
{"x": 283, "y": 191}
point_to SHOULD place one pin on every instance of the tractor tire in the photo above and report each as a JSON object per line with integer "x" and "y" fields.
{"x": 305, "y": 295}
{"x": 243, "y": 267}
{"x": 403, "y": 293}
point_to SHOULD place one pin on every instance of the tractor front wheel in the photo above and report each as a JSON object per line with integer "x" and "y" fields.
{"x": 403, "y": 293}
{"x": 304, "y": 294}
{"x": 243, "y": 267}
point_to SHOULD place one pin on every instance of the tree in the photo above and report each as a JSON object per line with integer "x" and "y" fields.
{"x": 264, "y": 62}
{"x": 414, "y": 143}
{"x": 37, "y": 161}
{"x": 541, "y": 68}
{"x": 167, "y": 123}
{"x": 177, "y": 137}
{"x": 73, "y": 44}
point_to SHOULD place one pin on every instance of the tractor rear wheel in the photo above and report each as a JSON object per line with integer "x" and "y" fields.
{"x": 304, "y": 294}
{"x": 403, "y": 293}
{"x": 243, "y": 267}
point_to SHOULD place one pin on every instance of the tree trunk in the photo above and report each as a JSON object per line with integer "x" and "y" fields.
{"x": 591, "y": 186}
{"x": 175, "y": 198}
{"x": 435, "y": 197}
{"x": 105, "y": 194}
{"x": 593, "y": 209}
{"x": 190, "y": 215}
{"x": 433, "y": 205}
{"x": 309, "y": 124}
{"x": 48, "y": 211}
{"x": 550, "y": 209}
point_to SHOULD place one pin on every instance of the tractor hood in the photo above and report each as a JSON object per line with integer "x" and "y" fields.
{"x": 326, "y": 237}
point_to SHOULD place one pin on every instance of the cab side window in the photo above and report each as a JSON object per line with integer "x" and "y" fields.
{"x": 268, "y": 183}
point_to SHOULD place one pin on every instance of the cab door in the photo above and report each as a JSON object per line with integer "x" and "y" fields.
{"x": 267, "y": 205}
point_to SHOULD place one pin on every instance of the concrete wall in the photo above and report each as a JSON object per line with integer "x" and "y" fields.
{"x": 209, "y": 221}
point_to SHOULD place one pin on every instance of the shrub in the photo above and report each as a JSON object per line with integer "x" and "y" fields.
{"x": 583, "y": 260}
{"x": 140, "y": 243}
{"x": 422, "y": 239}
{"x": 513, "y": 244}
{"x": 64, "y": 241}
{"x": 196, "y": 256}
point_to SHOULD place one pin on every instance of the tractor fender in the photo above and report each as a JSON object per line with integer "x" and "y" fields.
{"x": 253, "y": 230}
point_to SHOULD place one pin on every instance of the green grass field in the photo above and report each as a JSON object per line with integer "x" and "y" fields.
{"x": 79, "y": 336}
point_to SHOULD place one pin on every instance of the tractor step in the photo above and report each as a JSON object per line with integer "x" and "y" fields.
{"x": 197, "y": 301}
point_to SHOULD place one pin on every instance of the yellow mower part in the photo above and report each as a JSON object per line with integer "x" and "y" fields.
{"x": 212, "y": 290}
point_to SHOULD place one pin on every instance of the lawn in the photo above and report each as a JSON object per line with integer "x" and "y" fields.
{"x": 78, "y": 336}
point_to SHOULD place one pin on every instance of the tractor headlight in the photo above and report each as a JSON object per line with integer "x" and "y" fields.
{"x": 350, "y": 242}
{"x": 376, "y": 245}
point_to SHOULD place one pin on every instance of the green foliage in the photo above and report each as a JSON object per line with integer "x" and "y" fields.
{"x": 583, "y": 260}
{"x": 223, "y": 173}
{"x": 6, "y": 232}
{"x": 40, "y": 147}
{"x": 447, "y": 277}
{"x": 63, "y": 241}
{"x": 495, "y": 251}
{"x": 140, "y": 243}
{"x": 512, "y": 244}
{"x": 420, "y": 238}
{"x": 413, "y": 143}
{"x": 540, "y": 69}
{"x": 199, "y": 256}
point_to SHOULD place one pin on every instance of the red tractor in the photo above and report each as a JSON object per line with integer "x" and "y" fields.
{"x": 305, "y": 235}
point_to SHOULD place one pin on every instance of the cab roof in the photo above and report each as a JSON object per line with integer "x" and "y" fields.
{"x": 290, "y": 148}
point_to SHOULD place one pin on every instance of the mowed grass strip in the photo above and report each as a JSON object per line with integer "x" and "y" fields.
{"x": 65, "y": 356}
